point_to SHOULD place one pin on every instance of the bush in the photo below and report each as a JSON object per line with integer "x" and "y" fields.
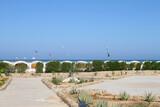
{"x": 53, "y": 67}
{"x": 157, "y": 66}
{"x": 67, "y": 67}
{"x": 39, "y": 67}
{"x": 124, "y": 96}
{"x": 114, "y": 65}
{"x": 130, "y": 66}
{"x": 56, "y": 81}
{"x": 98, "y": 65}
{"x": 3, "y": 67}
{"x": 138, "y": 66}
{"x": 21, "y": 67}
{"x": 151, "y": 66}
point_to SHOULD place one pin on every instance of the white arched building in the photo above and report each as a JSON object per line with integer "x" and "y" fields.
{"x": 31, "y": 65}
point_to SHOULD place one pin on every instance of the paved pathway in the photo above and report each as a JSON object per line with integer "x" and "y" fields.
{"x": 136, "y": 85}
{"x": 29, "y": 92}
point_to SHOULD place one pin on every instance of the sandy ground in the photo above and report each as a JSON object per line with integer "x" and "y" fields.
{"x": 29, "y": 92}
{"x": 136, "y": 85}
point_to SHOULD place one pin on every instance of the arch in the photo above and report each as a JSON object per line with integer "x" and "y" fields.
{"x": 134, "y": 62}
{"x": 18, "y": 62}
{"x": 82, "y": 62}
{"x": 34, "y": 63}
{"x": 66, "y": 62}
{"x": 8, "y": 62}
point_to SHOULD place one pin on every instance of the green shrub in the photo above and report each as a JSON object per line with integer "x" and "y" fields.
{"x": 130, "y": 66}
{"x": 149, "y": 97}
{"x": 56, "y": 81}
{"x": 21, "y": 67}
{"x": 114, "y": 65}
{"x": 3, "y": 67}
{"x": 150, "y": 66}
{"x": 66, "y": 67}
{"x": 53, "y": 67}
{"x": 98, "y": 65}
{"x": 85, "y": 97}
{"x": 39, "y": 67}
{"x": 124, "y": 96}
{"x": 156, "y": 65}
{"x": 101, "y": 103}
{"x": 138, "y": 66}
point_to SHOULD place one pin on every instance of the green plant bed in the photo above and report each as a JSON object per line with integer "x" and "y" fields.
{"x": 98, "y": 100}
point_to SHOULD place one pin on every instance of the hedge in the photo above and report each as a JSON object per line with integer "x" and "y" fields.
{"x": 39, "y": 67}
{"x": 114, "y": 65}
{"x": 53, "y": 66}
{"x": 3, "y": 67}
{"x": 151, "y": 66}
{"x": 98, "y": 65}
{"x": 66, "y": 67}
{"x": 21, "y": 67}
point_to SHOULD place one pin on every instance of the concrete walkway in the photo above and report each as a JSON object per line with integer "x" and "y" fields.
{"x": 136, "y": 85}
{"x": 29, "y": 92}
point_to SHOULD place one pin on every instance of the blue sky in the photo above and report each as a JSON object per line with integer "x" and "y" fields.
{"x": 80, "y": 29}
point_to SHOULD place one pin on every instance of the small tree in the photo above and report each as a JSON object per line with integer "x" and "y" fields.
{"x": 39, "y": 67}
{"x": 21, "y": 67}
{"x": 122, "y": 66}
{"x": 138, "y": 66}
{"x": 53, "y": 66}
{"x": 114, "y": 65}
{"x": 157, "y": 66}
{"x": 149, "y": 65}
{"x": 98, "y": 65}
{"x": 66, "y": 67}
{"x": 130, "y": 66}
{"x": 3, "y": 67}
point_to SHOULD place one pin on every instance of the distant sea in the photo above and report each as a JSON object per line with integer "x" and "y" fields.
{"x": 74, "y": 60}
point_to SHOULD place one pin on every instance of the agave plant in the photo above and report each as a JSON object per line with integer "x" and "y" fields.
{"x": 149, "y": 97}
{"x": 124, "y": 96}
{"x": 101, "y": 103}
{"x": 74, "y": 91}
{"x": 85, "y": 99}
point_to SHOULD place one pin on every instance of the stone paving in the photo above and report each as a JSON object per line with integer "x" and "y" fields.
{"x": 29, "y": 92}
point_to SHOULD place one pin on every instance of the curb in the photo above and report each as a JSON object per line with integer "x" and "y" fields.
{"x": 6, "y": 84}
{"x": 60, "y": 94}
